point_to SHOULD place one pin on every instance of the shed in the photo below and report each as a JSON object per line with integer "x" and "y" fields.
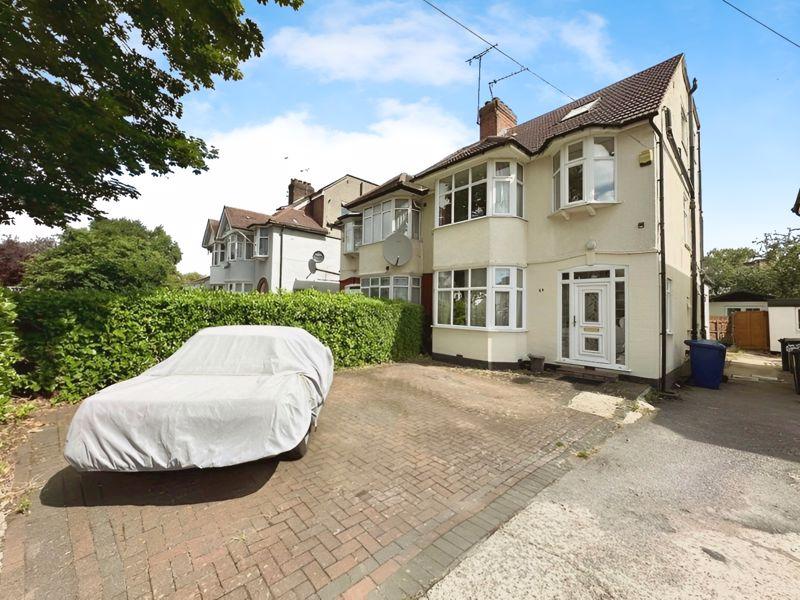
{"x": 784, "y": 321}
{"x": 723, "y": 305}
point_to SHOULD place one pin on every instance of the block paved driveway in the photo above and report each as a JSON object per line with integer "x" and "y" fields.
{"x": 411, "y": 466}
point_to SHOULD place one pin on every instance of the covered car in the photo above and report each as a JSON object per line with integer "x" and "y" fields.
{"x": 229, "y": 395}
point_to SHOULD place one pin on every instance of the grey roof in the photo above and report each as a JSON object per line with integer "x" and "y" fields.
{"x": 398, "y": 182}
{"x": 784, "y": 302}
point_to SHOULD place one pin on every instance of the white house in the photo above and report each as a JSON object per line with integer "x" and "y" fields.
{"x": 294, "y": 248}
{"x": 575, "y": 235}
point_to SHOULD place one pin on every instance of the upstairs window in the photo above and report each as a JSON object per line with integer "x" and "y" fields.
{"x": 352, "y": 236}
{"x": 493, "y": 188}
{"x": 240, "y": 247}
{"x": 381, "y": 220}
{"x": 218, "y": 253}
{"x": 584, "y": 171}
{"x": 262, "y": 242}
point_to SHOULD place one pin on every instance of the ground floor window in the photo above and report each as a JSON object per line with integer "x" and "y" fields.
{"x": 239, "y": 286}
{"x": 397, "y": 287}
{"x": 593, "y": 318}
{"x": 480, "y": 298}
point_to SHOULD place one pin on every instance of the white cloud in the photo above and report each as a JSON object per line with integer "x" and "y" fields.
{"x": 587, "y": 35}
{"x": 253, "y": 170}
{"x": 404, "y": 41}
{"x": 387, "y": 41}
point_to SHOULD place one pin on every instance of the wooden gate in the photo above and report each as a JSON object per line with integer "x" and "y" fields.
{"x": 751, "y": 329}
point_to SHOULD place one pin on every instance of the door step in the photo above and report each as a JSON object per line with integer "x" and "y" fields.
{"x": 588, "y": 373}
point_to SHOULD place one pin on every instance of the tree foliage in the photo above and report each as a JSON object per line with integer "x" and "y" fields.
{"x": 91, "y": 91}
{"x": 772, "y": 267}
{"x": 111, "y": 254}
{"x": 14, "y": 253}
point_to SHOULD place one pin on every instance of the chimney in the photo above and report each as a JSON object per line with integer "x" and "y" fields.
{"x": 299, "y": 189}
{"x": 495, "y": 118}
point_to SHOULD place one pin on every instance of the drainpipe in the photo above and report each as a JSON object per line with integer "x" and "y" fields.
{"x": 662, "y": 377}
{"x": 703, "y": 332}
{"x": 692, "y": 208}
{"x": 280, "y": 266}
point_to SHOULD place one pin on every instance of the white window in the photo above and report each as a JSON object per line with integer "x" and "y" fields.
{"x": 381, "y": 220}
{"x": 493, "y": 188}
{"x": 352, "y": 236}
{"x": 669, "y": 305}
{"x": 262, "y": 242}
{"x": 240, "y": 246}
{"x": 398, "y": 287}
{"x": 584, "y": 171}
{"x": 218, "y": 253}
{"x": 491, "y": 297}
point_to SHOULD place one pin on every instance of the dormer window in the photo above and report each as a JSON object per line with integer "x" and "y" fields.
{"x": 493, "y": 188}
{"x": 584, "y": 108}
{"x": 584, "y": 172}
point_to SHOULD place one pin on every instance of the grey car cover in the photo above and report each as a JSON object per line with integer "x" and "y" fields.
{"x": 229, "y": 395}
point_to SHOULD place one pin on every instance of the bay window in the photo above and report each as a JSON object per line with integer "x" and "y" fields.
{"x": 383, "y": 219}
{"x": 352, "y": 236}
{"x": 491, "y": 188}
{"x": 486, "y": 297}
{"x": 398, "y": 287}
{"x": 262, "y": 242}
{"x": 584, "y": 171}
{"x": 240, "y": 246}
{"x": 218, "y": 253}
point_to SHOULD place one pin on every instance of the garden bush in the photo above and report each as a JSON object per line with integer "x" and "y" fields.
{"x": 8, "y": 353}
{"x": 78, "y": 342}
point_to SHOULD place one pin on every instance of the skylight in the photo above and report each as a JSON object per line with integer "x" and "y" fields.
{"x": 580, "y": 109}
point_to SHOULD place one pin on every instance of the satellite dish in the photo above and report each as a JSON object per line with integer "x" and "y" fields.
{"x": 397, "y": 249}
{"x": 318, "y": 256}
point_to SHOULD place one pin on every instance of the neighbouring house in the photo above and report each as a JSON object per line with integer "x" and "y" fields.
{"x": 724, "y": 305}
{"x": 574, "y": 236}
{"x": 291, "y": 249}
{"x": 784, "y": 321}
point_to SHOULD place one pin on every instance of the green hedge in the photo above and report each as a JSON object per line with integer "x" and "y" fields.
{"x": 75, "y": 343}
{"x": 8, "y": 353}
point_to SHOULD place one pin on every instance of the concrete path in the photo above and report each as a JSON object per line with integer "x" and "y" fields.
{"x": 701, "y": 500}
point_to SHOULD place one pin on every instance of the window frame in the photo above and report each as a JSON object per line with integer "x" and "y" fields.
{"x": 390, "y": 207}
{"x": 490, "y": 180}
{"x": 515, "y": 289}
{"x": 261, "y": 233}
{"x": 588, "y": 160}
{"x": 352, "y": 242}
{"x": 668, "y": 299}
{"x": 414, "y": 282}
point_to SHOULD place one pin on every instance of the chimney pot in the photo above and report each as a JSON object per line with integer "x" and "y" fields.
{"x": 495, "y": 118}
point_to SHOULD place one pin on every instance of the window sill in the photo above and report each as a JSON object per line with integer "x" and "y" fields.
{"x": 603, "y": 366}
{"x": 380, "y": 242}
{"x": 483, "y": 329}
{"x": 480, "y": 219}
{"x": 589, "y": 208}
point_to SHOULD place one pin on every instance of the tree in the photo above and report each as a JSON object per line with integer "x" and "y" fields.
{"x": 111, "y": 254}
{"x": 14, "y": 253}
{"x": 91, "y": 91}
{"x": 772, "y": 267}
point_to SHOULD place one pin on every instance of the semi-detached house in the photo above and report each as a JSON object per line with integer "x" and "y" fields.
{"x": 574, "y": 236}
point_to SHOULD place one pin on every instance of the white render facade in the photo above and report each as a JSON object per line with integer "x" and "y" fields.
{"x": 557, "y": 252}
{"x": 292, "y": 249}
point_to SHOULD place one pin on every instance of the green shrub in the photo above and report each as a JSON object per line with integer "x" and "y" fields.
{"x": 8, "y": 353}
{"x": 78, "y": 342}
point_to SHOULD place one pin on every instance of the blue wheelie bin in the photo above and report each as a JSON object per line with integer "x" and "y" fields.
{"x": 708, "y": 362}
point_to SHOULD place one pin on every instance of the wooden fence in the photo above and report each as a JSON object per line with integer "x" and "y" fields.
{"x": 751, "y": 329}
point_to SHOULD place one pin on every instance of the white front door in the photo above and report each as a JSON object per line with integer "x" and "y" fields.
{"x": 591, "y": 339}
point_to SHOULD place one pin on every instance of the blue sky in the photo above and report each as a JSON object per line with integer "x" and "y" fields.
{"x": 382, "y": 87}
